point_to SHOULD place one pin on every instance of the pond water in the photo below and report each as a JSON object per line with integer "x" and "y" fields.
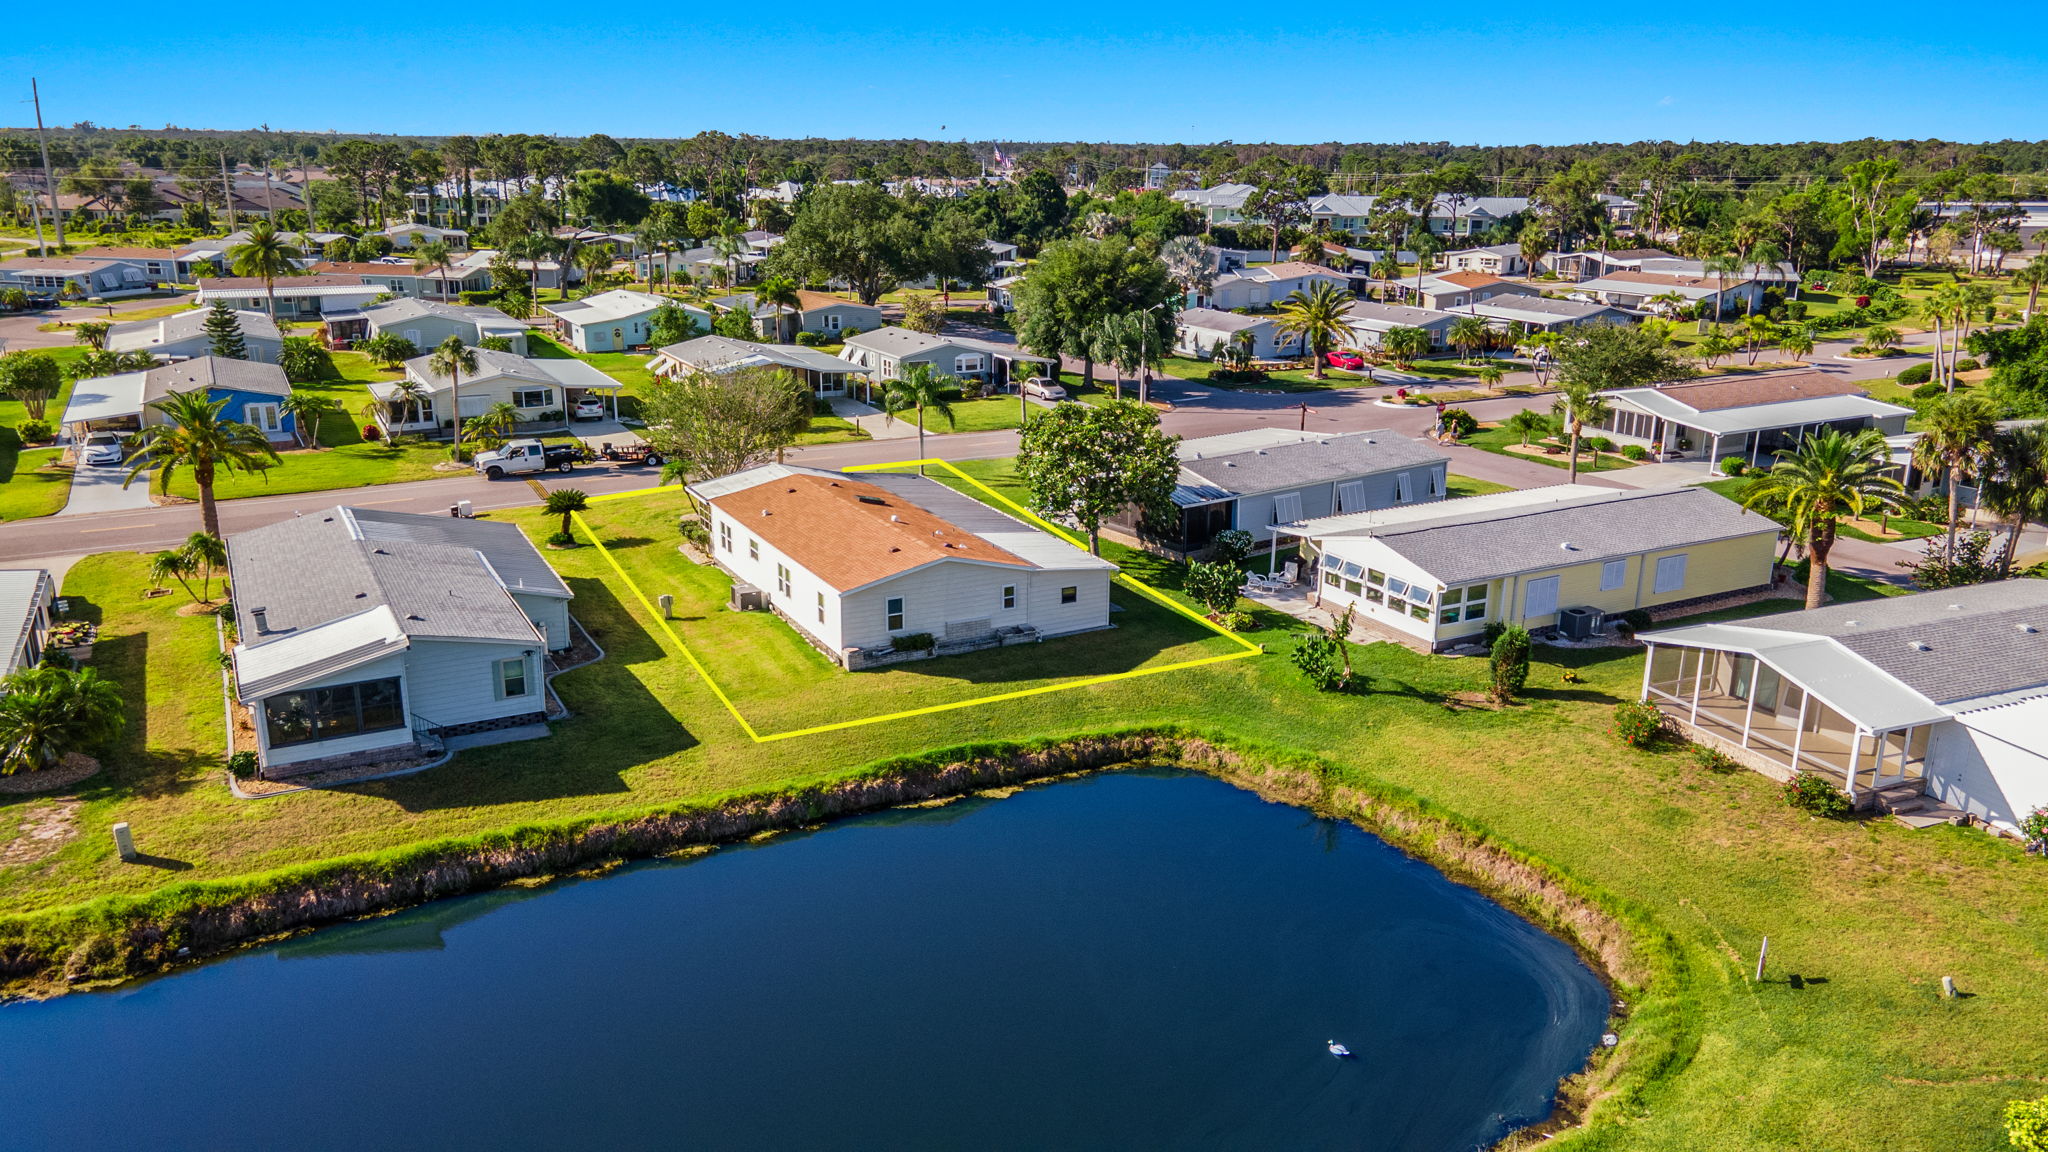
{"x": 1135, "y": 959}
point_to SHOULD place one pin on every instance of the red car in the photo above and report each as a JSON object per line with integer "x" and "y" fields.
{"x": 1350, "y": 360}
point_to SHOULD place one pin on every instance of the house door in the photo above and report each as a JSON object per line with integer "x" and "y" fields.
{"x": 1542, "y": 600}
{"x": 266, "y": 417}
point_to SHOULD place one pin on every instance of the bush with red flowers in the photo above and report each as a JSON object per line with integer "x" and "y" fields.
{"x": 1637, "y": 723}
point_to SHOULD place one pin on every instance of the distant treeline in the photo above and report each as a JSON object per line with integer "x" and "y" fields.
{"x": 711, "y": 157}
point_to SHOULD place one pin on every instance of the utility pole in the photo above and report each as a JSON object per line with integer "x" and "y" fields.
{"x": 227, "y": 191}
{"x": 49, "y": 174}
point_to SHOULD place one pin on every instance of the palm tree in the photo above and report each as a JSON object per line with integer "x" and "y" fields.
{"x": 2031, "y": 277}
{"x": 1321, "y": 316}
{"x": 207, "y": 555}
{"x": 47, "y": 714}
{"x": 780, "y": 293}
{"x": 1761, "y": 255}
{"x": 2014, "y": 484}
{"x": 196, "y": 437}
{"x": 1945, "y": 311}
{"x": 1491, "y": 374}
{"x": 1715, "y": 346}
{"x": 1814, "y": 485}
{"x": 1426, "y": 247}
{"x": 594, "y": 260}
{"x": 404, "y": 405}
{"x": 565, "y": 502}
{"x": 172, "y": 564}
{"x": 306, "y": 408}
{"x": 1578, "y": 404}
{"x": 1758, "y": 331}
{"x": 919, "y": 387}
{"x": 1956, "y": 429}
{"x": 93, "y": 332}
{"x": 1527, "y": 423}
{"x": 1467, "y": 333}
{"x": 727, "y": 246}
{"x": 1796, "y": 341}
{"x": 489, "y": 430}
{"x": 1404, "y": 344}
{"x": 454, "y": 359}
{"x": 265, "y": 254}
{"x": 1720, "y": 267}
{"x": 1880, "y": 338}
{"x": 431, "y": 255}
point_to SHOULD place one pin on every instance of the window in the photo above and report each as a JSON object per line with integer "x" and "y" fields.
{"x": 782, "y": 579}
{"x": 512, "y": 678}
{"x": 1432, "y": 489}
{"x": 967, "y": 362}
{"x": 1351, "y": 496}
{"x": 1287, "y": 508}
{"x": 821, "y": 607}
{"x": 331, "y": 713}
{"x": 1070, "y": 594}
{"x": 1009, "y": 595}
{"x": 1463, "y": 604}
{"x": 753, "y": 548}
{"x": 1612, "y": 574}
{"x": 1404, "y": 488}
{"x": 1670, "y": 574}
{"x": 725, "y": 537}
{"x": 832, "y": 322}
{"x": 893, "y": 610}
{"x": 532, "y": 397}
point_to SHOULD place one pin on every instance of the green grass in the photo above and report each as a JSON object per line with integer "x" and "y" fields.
{"x": 1497, "y": 440}
{"x": 1733, "y": 488}
{"x": 1864, "y": 1054}
{"x": 1291, "y": 380}
{"x": 1456, "y": 486}
{"x": 34, "y": 481}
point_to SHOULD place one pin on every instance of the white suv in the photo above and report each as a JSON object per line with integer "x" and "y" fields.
{"x": 587, "y": 408}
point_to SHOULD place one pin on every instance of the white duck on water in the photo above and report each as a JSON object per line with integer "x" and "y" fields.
{"x": 1338, "y": 1050}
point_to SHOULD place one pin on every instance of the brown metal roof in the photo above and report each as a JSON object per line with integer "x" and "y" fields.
{"x": 850, "y": 534}
{"x": 1716, "y": 395}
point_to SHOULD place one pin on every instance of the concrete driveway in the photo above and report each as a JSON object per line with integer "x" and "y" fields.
{"x": 97, "y": 488}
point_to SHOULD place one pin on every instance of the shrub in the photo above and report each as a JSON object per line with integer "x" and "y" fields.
{"x": 372, "y": 432}
{"x": 1635, "y": 619}
{"x": 1795, "y": 310}
{"x": 1734, "y": 465}
{"x": 1634, "y": 452}
{"x": 1213, "y": 586}
{"x": 914, "y": 642}
{"x": 2035, "y": 826}
{"x": 1459, "y": 422}
{"x": 33, "y": 431}
{"x": 1815, "y": 795}
{"x": 694, "y": 530}
{"x": 1231, "y": 546}
{"x": 482, "y": 296}
{"x": 1234, "y": 621}
{"x": 561, "y": 539}
{"x": 1320, "y": 656}
{"x": 1863, "y": 301}
{"x": 1916, "y": 374}
{"x": 1508, "y": 665}
{"x": 1600, "y": 444}
{"x": 242, "y": 765}
{"x": 1637, "y": 723}
{"x": 1927, "y": 391}
{"x": 849, "y": 332}
{"x": 1967, "y": 364}
{"x": 810, "y": 339}
{"x": 302, "y": 359}
{"x": 1713, "y": 759}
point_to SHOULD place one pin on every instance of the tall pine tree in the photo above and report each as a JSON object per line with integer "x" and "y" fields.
{"x": 224, "y": 333}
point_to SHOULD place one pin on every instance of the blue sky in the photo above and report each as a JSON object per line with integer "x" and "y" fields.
{"x": 1106, "y": 70}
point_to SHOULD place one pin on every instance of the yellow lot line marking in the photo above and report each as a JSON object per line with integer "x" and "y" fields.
{"x": 1245, "y": 647}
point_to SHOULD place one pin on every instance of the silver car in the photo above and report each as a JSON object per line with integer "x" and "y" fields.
{"x": 1038, "y": 388}
{"x": 103, "y": 448}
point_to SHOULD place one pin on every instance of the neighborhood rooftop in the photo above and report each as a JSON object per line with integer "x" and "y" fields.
{"x": 1462, "y": 547}
{"x": 1294, "y": 459}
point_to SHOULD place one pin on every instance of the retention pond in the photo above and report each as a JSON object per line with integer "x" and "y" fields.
{"x": 1136, "y": 959}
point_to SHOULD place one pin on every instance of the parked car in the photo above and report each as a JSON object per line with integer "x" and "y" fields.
{"x": 1351, "y": 360}
{"x": 103, "y": 448}
{"x": 1041, "y": 389}
{"x": 588, "y": 408}
{"x": 523, "y": 456}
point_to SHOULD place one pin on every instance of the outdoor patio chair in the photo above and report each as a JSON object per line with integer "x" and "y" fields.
{"x": 1290, "y": 572}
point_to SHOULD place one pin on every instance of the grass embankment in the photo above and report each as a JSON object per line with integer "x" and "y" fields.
{"x": 1876, "y": 911}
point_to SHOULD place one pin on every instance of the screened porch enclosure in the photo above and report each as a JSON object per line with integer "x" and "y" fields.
{"x": 1744, "y": 700}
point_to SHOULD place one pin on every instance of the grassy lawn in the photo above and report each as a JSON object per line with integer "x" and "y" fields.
{"x": 1456, "y": 486}
{"x": 1869, "y": 913}
{"x": 33, "y": 481}
{"x": 1292, "y": 380}
{"x": 1496, "y": 440}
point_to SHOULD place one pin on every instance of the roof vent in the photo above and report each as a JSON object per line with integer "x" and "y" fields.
{"x": 1955, "y": 607}
{"x": 894, "y": 548}
{"x": 895, "y": 519}
{"x": 871, "y": 499}
{"x": 2028, "y": 629}
{"x": 1230, "y": 463}
{"x": 1853, "y": 623}
{"x": 765, "y": 512}
{"x": 415, "y": 616}
{"x": 1919, "y": 646}
{"x": 262, "y": 618}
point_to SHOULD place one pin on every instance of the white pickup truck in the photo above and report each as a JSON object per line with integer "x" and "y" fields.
{"x": 522, "y": 456}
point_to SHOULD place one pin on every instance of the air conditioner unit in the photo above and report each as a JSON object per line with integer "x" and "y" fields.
{"x": 747, "y": 598}
{"x": 1579, "y": 623}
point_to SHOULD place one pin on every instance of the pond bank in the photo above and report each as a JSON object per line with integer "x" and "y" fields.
{"x": 48, "y": 953}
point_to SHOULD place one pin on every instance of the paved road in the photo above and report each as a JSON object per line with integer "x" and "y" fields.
{"x": 1198, "y": 411}
{"x": 19, "y": 331}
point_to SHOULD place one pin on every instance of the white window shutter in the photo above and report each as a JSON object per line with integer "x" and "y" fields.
{"x": 1287, "y": 508}
{"x": 1612, "y": 573}
{"x": 1670, "y": 573}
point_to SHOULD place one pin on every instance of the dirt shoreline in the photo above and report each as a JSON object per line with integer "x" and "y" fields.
{"x": 115, "y": 939}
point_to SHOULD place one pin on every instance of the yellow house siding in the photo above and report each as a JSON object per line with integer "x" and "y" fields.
{"x": 1711, "y": 569}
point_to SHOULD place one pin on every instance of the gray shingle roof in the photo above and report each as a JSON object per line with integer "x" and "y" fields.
{"x": 1315, "y": 459}
{"x": 210, "y": 372}
{"x": 1465, "y": 549}
{"x": 1563, "y": 309}
{"x": 1950, "y": 644}
{"x": 181, "y": 326}
{"x": 1217, "y": 320}
{"x": 441, "y": 577}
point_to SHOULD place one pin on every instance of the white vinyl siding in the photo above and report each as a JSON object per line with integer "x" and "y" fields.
{"x": 550, "y": 614}
{"x": 455, "y": 682}
{"x": 1670, "y": 574}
